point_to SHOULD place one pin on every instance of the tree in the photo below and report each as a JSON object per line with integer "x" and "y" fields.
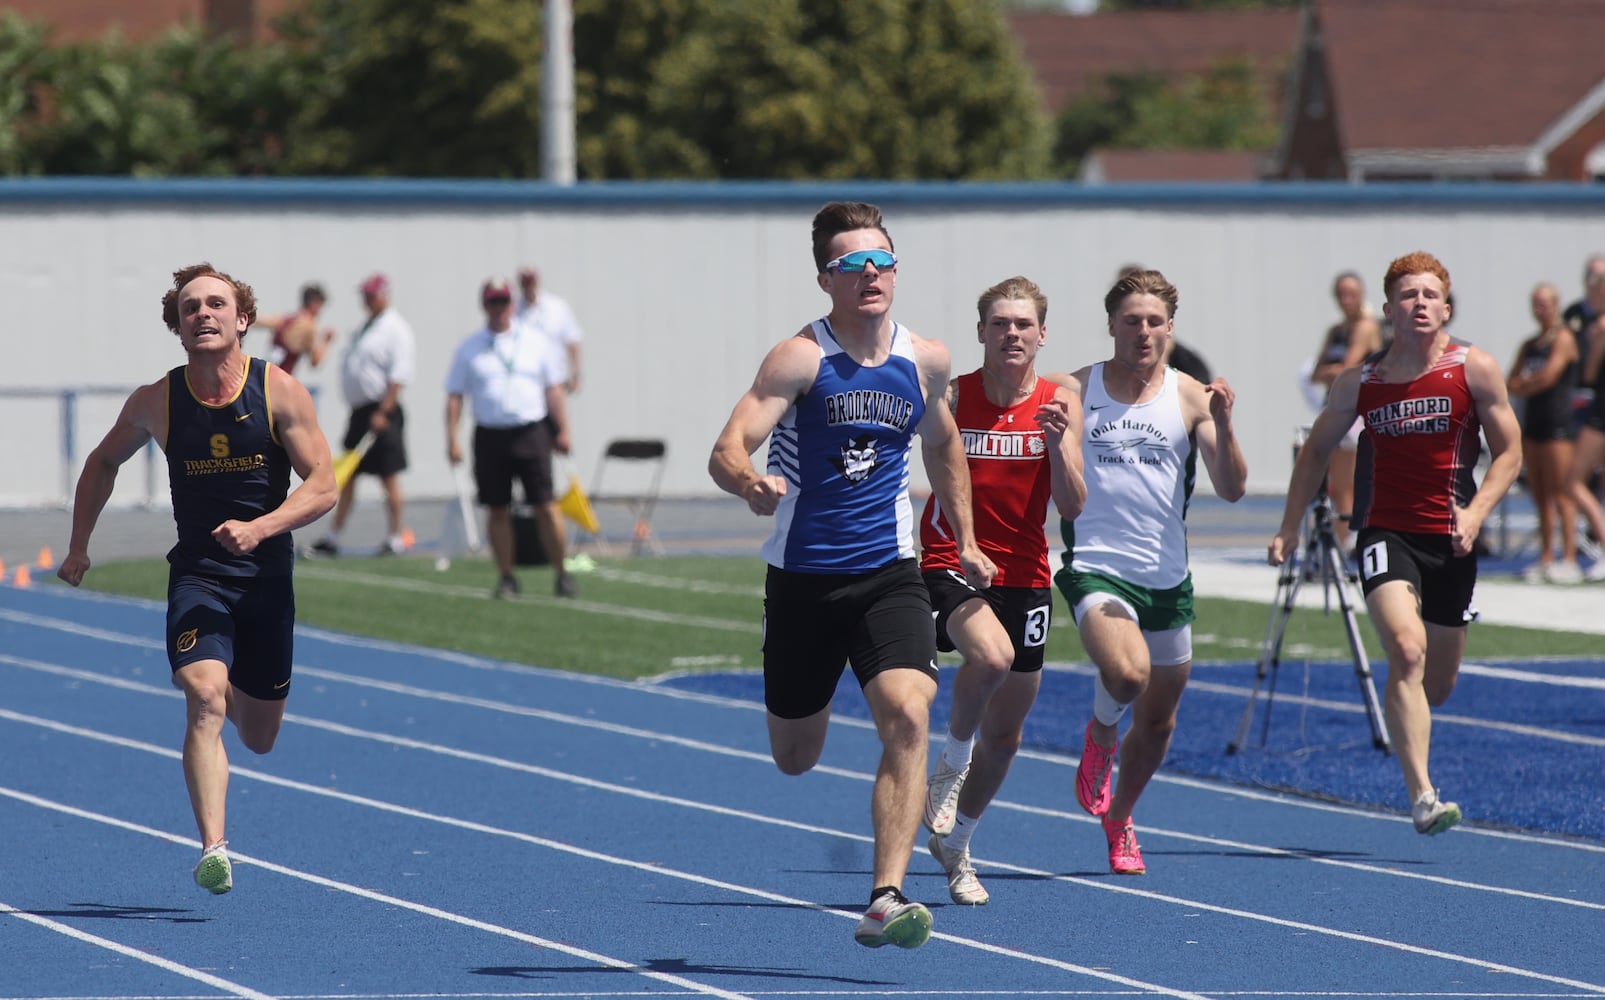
{"x": 182, "y": 105}
{"x": 443, "y": 89}
{"x": 782, "y": 88}
{"x": 800, "y": 89}
{"x": 619, "y": 50}
{"x": 24, "y": 71}
{"x": 1223, "y": 108}
{"x": 1099, "y": 118}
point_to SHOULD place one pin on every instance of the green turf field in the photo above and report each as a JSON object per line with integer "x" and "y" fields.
{"x": 643, "y": 617}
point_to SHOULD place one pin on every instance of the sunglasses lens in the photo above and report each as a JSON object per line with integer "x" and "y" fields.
{"x": 856, "y": 261}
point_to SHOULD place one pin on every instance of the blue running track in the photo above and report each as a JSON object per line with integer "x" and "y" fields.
{"x": 438, "y": 826}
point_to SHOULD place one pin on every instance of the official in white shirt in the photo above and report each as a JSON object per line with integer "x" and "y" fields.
{"x": 377, "y": 365}
{"x": 553, "y": 317}
{"x": 514, "y": 377}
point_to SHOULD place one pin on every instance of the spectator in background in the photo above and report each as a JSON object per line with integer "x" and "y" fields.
{"x": 1347, "y": 342}
{"x": 1586, "y": 319}
{"x": 553, "y": 317}
{"x": 1544, "y": 374}
{"x": 514, "y": 378}
{"x": 378, "y": 363}
{"x": 295, "y": 335}
{"x": 1589, "y": 454}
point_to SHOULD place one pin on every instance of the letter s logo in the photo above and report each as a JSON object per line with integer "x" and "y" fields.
{"x": 220, "y": 446}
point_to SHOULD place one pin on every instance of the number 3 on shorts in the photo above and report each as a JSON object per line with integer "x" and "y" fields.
{"x": 1036, "y": 626}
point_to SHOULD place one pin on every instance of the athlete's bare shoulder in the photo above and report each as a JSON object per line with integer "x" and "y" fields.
{"x": 1075, "y": 381}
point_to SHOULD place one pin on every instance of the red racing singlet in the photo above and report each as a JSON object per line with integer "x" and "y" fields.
{"x": 1009, "y": 488}
{"x": 1419, "y": 448}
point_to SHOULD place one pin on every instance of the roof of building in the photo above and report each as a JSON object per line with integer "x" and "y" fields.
{"x": 1072, "y": 53}
{"x": 1462, "y": 74}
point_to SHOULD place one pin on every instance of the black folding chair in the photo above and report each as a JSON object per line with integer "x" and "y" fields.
{"x": 649, "y": 456}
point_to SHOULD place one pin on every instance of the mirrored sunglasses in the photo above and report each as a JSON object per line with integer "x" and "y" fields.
{"x": 496, "y": 301}
{"x": 858, "y": 259}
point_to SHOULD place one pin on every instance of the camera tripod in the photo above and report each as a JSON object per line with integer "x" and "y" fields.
{"x": 1322, "y": 556}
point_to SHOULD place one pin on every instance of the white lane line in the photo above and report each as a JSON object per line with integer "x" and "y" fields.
{"x": 1199, "y": 681}
{"x": 1104, "y": 885}
{"x": 166, "y": 965}
{"x": 356, "y": 890}
{"x": 566, "y": 603}
{"x": 581, "y": 852}
{"x": 611, "y": 728}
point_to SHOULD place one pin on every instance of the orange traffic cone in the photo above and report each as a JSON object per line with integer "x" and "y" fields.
{"x": 23, "y": 578}
{"x": 46, "y": 560}
{"x": 407, "y": 539}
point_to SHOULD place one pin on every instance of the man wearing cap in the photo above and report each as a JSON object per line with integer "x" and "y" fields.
{"x": 377, "y": 363}
{"x": 514, "y": 377}
{"x": 553, "y": 317}
{"x": 295, "y": 335}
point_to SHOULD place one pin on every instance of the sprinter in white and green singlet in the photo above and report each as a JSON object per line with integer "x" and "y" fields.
{"x": 1125, "y": 575}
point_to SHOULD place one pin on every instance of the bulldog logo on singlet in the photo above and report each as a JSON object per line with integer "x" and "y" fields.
{"x": 1003, "y": 444}
{"x": 858, "y": 459}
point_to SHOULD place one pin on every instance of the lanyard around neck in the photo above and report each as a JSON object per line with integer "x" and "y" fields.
{"x": 510, "y": 359}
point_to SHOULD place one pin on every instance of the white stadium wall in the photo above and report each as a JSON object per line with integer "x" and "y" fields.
{"x": 682, "y": 288}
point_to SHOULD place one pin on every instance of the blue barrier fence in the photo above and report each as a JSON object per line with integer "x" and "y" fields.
{"x": 72, "y": 449}
{"x": 68, "y": 398}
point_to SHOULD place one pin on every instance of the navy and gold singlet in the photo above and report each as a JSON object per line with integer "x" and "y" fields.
{"x": 225, "y": 462}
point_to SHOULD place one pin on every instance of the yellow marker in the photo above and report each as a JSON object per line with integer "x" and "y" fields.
{"x": 576, "y": 506}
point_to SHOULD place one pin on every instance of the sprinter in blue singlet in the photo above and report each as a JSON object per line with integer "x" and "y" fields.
{"x": 840, "y": 403}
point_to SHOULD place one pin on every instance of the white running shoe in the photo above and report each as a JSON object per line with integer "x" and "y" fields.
{"x": 942, "y": 798}
{"x": 962, "y": 884}
{"x": 1566, "y": 571}
{"x": 214, "y": 873}
{"x": 1431, "y": 816}
{"x": 893, "y": 919}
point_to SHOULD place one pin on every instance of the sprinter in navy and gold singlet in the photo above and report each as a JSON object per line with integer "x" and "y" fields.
{"x": 232, "y": 428}
{"x": 840, "y": 402}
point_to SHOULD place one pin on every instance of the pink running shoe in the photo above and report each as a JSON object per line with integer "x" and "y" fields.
{"x": 1125, "y": 857}
{"x": 1092, "y": 775}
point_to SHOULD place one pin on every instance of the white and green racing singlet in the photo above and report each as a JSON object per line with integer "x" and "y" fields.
{"x": 1140, "y": 463}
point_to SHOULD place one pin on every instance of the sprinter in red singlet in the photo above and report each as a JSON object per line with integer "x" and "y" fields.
{"x": 1022, "y": 441}
{"x": 1417, "y": 509}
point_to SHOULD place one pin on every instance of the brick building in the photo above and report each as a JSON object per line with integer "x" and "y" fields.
{"x": 141, "y": 20}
